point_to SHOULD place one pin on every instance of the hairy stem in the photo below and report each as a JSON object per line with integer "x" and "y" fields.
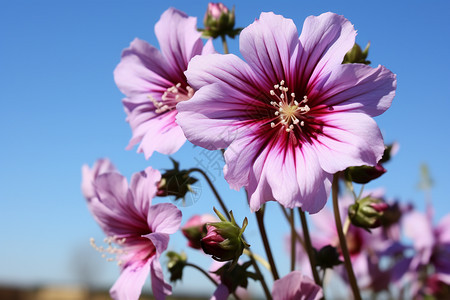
{"x": 224, "y": 44}
{"x": 342, "y": 241}
{"x": 309, "y": 247}
{"x": 265, "y": 240}
{"x": 213, "y": 188}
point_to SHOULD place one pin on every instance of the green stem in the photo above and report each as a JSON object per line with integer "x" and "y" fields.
{"x": 261, "y": 277}
{"x": 216, "y": 194}
{"x": 204, "y": 273}
{"x": 342, "y": 241}
{"x": 262, "y": 230}
{"x": 297, "y": 236}
{"x": 293, "y": 233}
{"x": 224, "y": 44}
{"x": 309, "y": 247}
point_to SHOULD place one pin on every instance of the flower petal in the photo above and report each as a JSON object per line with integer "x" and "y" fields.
{"x": 352, "y": 137}
{"x": 213, "y": 125}
{"x": 324, "y": 41}
{"x": 155, "y": 133}
{"x": 130, "y": 282}
{"x": 179, "y": 39}
{"x": 221, "y": 292}
{"x": 296, "y": 286}
{"x": 267, "y": 45}
{"x": 89, "y": 174}
{"x": 143, "y": 185}
{"x": 355, "y": 87}
{"x": 142, "y": 69}
{"x": 164, "y": 218}
{"x": 160, "y": 288}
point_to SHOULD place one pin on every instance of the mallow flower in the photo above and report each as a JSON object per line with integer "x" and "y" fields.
{"x": 296, "y": 286}
{"x": 153, "y": 82}
{"x": 291, "y": 115}
{"x": 129, "y": 220}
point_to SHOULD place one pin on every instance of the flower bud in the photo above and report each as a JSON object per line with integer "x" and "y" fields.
{"x": 175, "y": 182}
{"x": 364, "y": 174}
{"x": 195, "y": 229}
{"x": 327, "y": 257}
{"x": 356, "y": 55}
{"x": 224, "y": 240}
{"x": 176, "y": 264}
{"x": 234, "y": 276}
{"x": 219, "y": 21}
{"x": 367, "y": 212}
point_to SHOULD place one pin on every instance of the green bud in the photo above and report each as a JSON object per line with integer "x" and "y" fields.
{"x": 367, "y": 212}
{"x": 176, "y": 264}
{"x": 356, "y": 55}
{"x": 364, "y": 174}
{"x": 175, "y": 182}
{"x": 219, "y": 21}
{"x": 224, "y": 240}
{"x": 327, "y": 257}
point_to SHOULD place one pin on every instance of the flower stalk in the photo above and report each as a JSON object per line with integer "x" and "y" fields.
{"x": 309, "y": 247}
{"x": 265, "y": 240}
{"x": 342, "y": 241}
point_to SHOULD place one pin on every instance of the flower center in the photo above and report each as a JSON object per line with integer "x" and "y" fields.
{"x": 289, "y": 111}
{"x": 171, "y": 97}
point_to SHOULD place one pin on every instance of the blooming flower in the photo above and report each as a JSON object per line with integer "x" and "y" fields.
{"x": 291, "y": 115}
{"x": 128, "y": 219}
{"x": 153, "y": 82}
{"x": 296, "y": 286}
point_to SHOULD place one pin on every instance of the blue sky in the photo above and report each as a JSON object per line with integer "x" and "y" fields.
{"x": 61, "y": 109}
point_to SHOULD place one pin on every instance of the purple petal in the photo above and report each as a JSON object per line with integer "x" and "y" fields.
{"x": 88, "y": 176}
{"x": 419, "y": 228}
{"x": 130, "y": 282}
{"x": 355, "y": 87}
{"x": 164, "y": 218}
{"x": 296, "y": 286}
{"x": 143, "y": 185}
{"x": 267, "y": 45}
{"x": 212, "y": 126}
{"x": 178, "y": 38}
{"x": 230, "y": 69}
{"x": 159, "y": 133}
{"x": 143, "y": 69}
{"x": 159, "y": 240}
{"x": 160, "y": 288}
{"x": 354, "y": 138}
{"x": 221, "y": 292}
{"x": 324, "y": 40}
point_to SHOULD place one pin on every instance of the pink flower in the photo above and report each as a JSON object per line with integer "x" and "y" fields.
{"x": 291, "y": 115}
{"x": 128, "y": 219}
{"x": 153, "y": 82}
{"x": 296, "y": 286}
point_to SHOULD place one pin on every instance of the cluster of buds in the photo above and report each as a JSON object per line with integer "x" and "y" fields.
{"x": 224, "y": 240}
{"x": 357, "y": 56}
{"x": 367, "y": 212}
{"x": 175, "y": 182}
{"x": 219, "y": 21}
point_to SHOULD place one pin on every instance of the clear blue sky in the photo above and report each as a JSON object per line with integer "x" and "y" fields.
{"x": 61, "y": 109}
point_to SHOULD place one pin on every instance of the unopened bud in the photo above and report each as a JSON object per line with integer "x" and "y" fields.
{"x": 219, "y": 21}
{"x": 364, "y": 174}
{"x": 356, "y": 55}
{"x": 175, "y": 182}
{"x": 195, "y": 229}
{"x": 327, "y": 257}
{"x": 367, "y": 212}
{"x": 224, "y": 240}
{"x": 176, "y": 264}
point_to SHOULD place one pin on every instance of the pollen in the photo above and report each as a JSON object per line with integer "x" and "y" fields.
{"x": 289, "y": 112}
{"x": 171, "y": 97}
{"x": 110, "y": 249}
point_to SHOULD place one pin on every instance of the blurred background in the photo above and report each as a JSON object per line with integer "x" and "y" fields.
{"x": 61, "y": 109}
